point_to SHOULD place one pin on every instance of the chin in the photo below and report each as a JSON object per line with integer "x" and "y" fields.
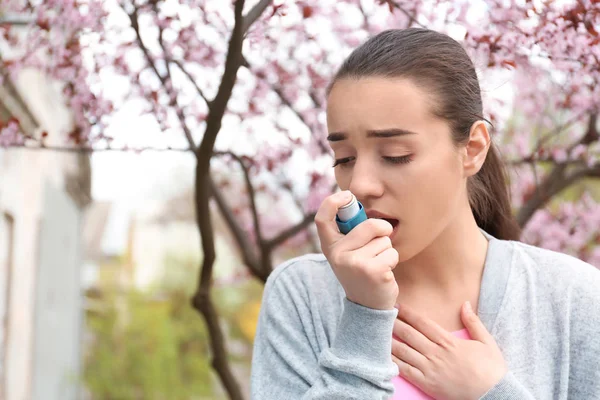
{"x": 408, "y": 246}
{"x": 404, "y": 248}
{"x": 404, "y": 255}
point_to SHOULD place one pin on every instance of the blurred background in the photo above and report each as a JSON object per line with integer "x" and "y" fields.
{"x": 159, "y": 158}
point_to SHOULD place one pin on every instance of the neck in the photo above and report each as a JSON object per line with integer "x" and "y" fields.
{"x": 453, "y": 262}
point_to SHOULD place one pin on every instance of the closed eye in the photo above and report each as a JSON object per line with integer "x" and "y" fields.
{"x": 398, "y": 160}
{"x": 342, "y": 161}
{"x": 392, "y": 160}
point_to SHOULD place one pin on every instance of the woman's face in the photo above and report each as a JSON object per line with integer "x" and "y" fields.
{"x": 396, "y": 157}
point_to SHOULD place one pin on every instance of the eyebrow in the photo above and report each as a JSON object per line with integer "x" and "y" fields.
{"x": 382, "y": 133}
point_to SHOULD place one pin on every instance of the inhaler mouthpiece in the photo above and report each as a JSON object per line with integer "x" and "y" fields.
{"x": 350, "y": 215}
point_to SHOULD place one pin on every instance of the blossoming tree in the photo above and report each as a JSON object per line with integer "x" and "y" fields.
{"x": 258, "y": 70}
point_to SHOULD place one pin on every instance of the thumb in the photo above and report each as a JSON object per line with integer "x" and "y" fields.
{"x": 476, "y": 329}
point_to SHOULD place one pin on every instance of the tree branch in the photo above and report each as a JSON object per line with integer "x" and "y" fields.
{"x": 68, "y": 149}
{"x": 133, "y": 17}
{"x": 204, "y": 189}
{"x": 279, "y": 92}
{"x": 590, "y": 136}
{"x": 161, "y": 42}
{"x": 411, "y": 18}
{"x": 251, "y": 193}
{"x": 553, "y": 184}
{"x": 254, "y": 14}
{"x": 313, "y": 97}
{"x": 543, "y": 140}
{"x": 219, "y": 104}
{"x": 592, "y": 172}
{"x": 558, "y": 179}
{"x": 191, "y": 78}
{"x": 290, "y": 232}
{"x": 366, "y": 25}
{"x": 288, "y": 188}
{"x": 287, "y": 103}
{"x": 262, "y": 267}
{"x": 248, "y": 254}
{"x": 201, "y": 300}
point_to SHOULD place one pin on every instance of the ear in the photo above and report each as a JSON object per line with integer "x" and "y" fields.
{"x": 476, "y": 148}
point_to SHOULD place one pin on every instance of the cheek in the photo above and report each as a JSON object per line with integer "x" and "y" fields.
{"x": 342, "y": 178}
{"x": 430, "y": 195}
{"x": 436, "y": 183}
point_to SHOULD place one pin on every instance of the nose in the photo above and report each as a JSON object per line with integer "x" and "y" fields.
{"x": 366, "y": 180}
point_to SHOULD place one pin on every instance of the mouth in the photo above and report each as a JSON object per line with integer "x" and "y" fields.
{"x": 393, "y": 221}
{"x": 395, "y": 224}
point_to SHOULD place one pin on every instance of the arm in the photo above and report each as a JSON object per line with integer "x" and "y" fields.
{"x": 508, "y": 388}
{"x": 287, "y": 365}
{"x": 581, "y": 316}
{"x": 584, "y": 343}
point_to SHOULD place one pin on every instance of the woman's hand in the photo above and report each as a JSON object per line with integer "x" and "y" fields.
{"x": 363, "y": 259}
{"x": 443, "y": 365}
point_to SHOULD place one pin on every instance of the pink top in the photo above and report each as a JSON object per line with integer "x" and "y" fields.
{"x": 403, "y": 390}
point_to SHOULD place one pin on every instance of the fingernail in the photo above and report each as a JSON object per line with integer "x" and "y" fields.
{"x": 469, "y": 307}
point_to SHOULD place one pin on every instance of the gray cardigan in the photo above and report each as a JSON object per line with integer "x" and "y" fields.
{"x": 542, "y": 307}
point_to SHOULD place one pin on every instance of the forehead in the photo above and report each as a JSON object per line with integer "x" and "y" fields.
{"x": 378, "y": 103}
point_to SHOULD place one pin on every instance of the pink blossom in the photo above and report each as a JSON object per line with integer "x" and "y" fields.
{"x": 10, "y": 135}
{"x": 578, "y": 151}
{"x": 559, "y": 155}
{"x": 548, "y": 56}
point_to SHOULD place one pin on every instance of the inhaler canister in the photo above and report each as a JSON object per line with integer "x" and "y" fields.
{"x": 350, "y": 215}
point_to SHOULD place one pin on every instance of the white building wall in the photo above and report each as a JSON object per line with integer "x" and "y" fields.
{"x": 57, "y": 319}
{"x": 31, "y": 181}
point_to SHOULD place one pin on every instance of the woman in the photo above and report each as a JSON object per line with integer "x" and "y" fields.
{"x": 432, "y": 296}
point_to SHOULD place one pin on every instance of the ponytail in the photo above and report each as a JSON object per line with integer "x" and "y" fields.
{"x": 489, "y": 196}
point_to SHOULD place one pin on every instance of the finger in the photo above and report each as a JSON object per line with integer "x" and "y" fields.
{"x": 413, "y": 338}
{"x": 476, "y": 329}
{"x": 368, "y": 230}
{"x": 388, "y": 258}
{"x": 426, "y": 326}
{"x": 376, "y": 246}
{"x": 410, "y": 373}
{"x": 409, "y": 355}
{"x": 325, "y": 217}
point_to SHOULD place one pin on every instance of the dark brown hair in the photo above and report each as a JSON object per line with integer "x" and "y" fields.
{"x": 438, "y": 63}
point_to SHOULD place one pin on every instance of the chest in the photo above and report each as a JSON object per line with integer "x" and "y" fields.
{"x": 444, "y": 311}
{"x": 538, "y": 358}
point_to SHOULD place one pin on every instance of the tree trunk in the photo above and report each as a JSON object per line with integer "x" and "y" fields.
{"x": 201, "y": 300}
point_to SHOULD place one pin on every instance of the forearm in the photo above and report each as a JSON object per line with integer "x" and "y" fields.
{"x": 509, "y": 388}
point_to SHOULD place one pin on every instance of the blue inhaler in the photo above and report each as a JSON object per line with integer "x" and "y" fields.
{"x": 350, "y": 215}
